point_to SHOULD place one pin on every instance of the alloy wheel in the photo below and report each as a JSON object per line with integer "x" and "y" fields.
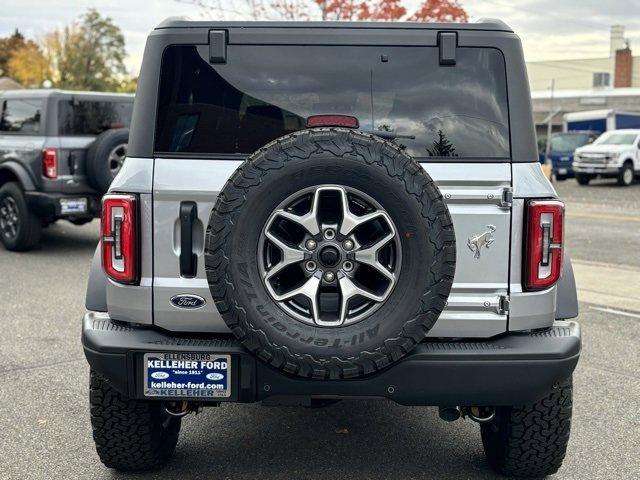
{"x": 329, "y": 255}
{"x": 9, "y": 217}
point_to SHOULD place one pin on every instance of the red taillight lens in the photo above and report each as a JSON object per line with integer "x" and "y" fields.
{"x": 119, "y": 237}
{"x": 544, "y": 243}
{"x": 50, "y": 163}
{"x": 332, "y": 121}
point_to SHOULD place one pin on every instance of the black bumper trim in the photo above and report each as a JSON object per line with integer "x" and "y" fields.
{"x": 512, "y": 369}
{"x": 47, "y": 205}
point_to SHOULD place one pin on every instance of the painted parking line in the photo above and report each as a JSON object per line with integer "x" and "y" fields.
{"x": 614, "y": 311}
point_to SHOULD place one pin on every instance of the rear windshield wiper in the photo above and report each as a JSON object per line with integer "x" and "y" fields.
{"x": 388, "y": 135}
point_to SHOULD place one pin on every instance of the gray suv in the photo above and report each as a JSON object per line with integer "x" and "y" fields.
{"x": 312, "y": 212}
{"x": 59, "y": 152}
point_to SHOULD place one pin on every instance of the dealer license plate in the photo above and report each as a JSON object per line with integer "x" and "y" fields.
{"x": 73, "y": 205}
{"x": 203, "y": 375}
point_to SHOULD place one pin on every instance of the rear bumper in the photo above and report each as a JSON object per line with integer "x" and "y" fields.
{"x": 509, "y": 370}
{"x": 48, "y": 205}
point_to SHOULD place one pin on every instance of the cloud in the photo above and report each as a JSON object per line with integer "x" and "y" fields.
{"x": 550, "y": 29}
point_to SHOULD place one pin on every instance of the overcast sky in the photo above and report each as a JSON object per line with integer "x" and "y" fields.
{"x": 550, "y": 29}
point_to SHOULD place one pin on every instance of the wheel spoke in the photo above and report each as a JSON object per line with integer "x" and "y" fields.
{"x": 289, "y": 255}
{"x": 308, "y": 289}
{"x": 349, "y": 290}
{"x": 369, "y": 256}
{"x": 351, "y": 221}
{"x": 308, "y": 221}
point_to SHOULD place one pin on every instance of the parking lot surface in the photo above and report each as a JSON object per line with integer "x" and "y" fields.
{"x": 44, "y": 417}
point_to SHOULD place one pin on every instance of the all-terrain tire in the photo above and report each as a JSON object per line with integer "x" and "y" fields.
{"x": 99, "y": 173}
{"x": 530, "y": 440}
{"x": 29, "y": 225}
{"x": 343, "y": 157}
{"x": 583, "y": 179}
{"x": 130, "y": 435}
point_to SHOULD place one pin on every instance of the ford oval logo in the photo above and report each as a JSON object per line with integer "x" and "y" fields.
{"x": 160, "y": 375}
{"x": 188, "y": 301}
{"x": 215, "y": 376}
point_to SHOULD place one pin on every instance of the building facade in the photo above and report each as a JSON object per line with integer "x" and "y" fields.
{"x": 585, "y": 84}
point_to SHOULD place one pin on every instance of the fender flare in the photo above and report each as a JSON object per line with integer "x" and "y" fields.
{"x": 567, "y": 296}
{"x": 17, "y": 169}
{"x": 96, "y": 299}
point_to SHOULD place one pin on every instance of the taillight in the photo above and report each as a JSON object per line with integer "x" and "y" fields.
{"x": 332, "y": 121}
{"x": 544, "y": 243}
{"x": 50, "y": 163}
{"x": 119, "y": 237}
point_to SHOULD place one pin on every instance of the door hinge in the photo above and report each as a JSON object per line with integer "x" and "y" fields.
{"x": 447, "y": 43}
{"x": 507, "y": 197}
{"x": 218, "y": 40}
{"x": 503, "y": 305}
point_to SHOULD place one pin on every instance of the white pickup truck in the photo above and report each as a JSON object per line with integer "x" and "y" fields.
{"x": 615, "y": 154}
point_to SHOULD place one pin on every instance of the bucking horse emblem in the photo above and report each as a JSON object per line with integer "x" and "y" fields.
{"x": 485, "y": 239}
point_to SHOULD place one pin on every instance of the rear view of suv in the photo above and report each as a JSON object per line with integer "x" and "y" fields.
{"x": 312, "y": 212}
{"x": 59, "y": 152}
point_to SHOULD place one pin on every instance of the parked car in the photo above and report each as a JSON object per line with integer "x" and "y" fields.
{"x": 561, "y": 150}
{"x": 615, "y": 154}
{"x": 59, "y": 152}
{"x": 312, "y": 212}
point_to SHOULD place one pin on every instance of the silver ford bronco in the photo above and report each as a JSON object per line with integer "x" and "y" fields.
{"x": 311, "y": 212}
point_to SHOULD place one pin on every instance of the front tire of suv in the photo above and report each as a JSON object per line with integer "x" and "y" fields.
{"x": 20, "y": 229}
{"x": 583, "y": 179}
{"x": 530, "y": 440}
{"x": 626, "y": 174}
{"x": 130, "y": 435}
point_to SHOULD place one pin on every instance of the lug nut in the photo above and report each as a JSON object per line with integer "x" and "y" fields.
{"x": 348, "y": 245}
{"x": 347, "y": 266}
{"x": 329, "y": 276}
{"x": 311, "y": 244}
{"x": 329, "y": 233}
{"x": 310, "y": 265}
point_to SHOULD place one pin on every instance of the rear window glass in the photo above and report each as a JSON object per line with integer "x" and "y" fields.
{"x": 21, "y": 116}
{"x": 264, "y": 92}
{"x": 90, "y": 117}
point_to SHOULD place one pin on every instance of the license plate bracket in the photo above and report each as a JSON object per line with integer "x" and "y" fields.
{"x": 187, "y": 375}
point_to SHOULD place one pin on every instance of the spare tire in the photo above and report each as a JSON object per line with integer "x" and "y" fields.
{"x": 330, "y": 253}
{"x": 105, "y": 157}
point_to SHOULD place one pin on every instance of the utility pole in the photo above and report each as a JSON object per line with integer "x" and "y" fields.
{"x": 552, "y": 113}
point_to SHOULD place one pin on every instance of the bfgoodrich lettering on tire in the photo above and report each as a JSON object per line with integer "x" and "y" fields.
{"x": 330, "y": 254}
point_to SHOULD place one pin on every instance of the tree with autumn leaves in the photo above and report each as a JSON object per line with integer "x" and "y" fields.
{"x": 87, "y": 54}
{"x": 333, "y": 10}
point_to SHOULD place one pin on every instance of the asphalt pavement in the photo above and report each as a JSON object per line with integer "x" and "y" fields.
{"x": 45, "y": 431}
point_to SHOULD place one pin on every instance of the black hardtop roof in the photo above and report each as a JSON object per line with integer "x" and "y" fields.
{"x": 54, "y": 92}
{"x": 491, "y": 24}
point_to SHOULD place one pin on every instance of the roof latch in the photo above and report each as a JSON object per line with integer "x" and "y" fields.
{"x": 447, "y": 42}
{"x": 217, "y": 46}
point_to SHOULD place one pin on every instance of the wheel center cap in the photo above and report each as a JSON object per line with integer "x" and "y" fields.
{"x": 329, "y": 256}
